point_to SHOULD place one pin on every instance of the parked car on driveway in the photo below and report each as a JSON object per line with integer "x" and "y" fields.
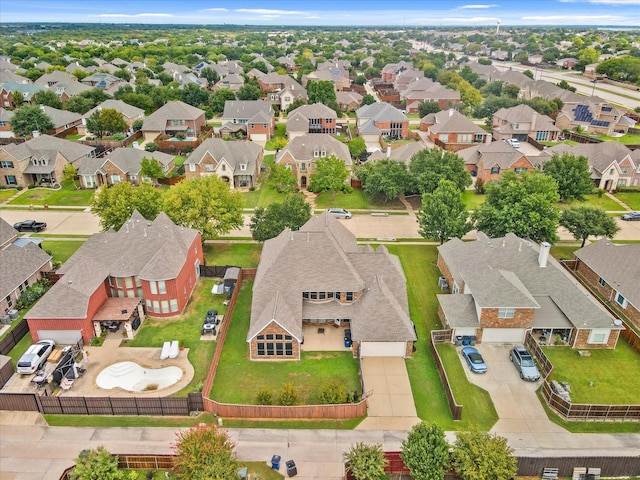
{"x": 474, "y": 359}
{"x": 631, "y": 216}
{"x": 30, "y": 226}
{"x": 35, "y": 356}
{"x": 339, "y": 212}
{"x": 524, "y": 363}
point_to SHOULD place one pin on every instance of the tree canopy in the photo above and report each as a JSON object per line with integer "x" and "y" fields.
{"x": 97, "y": 464}
{"x": 522, "y": 205}
{"x": 281, "y": 178}
{"x": 443, "y": 214}
{"x": 572, "y": 175}
{"x": 330, "y": 176}
{"x": 29, "y": 118}
{"x": 386, "y": 177}
{"x": 205, "y": 204}
{"x": 114, "y": 205}
{"x": 151, "y": 168}
{"x": 586, "y": 220}
{"x": 204, "y": 452}
{"x": 483, "y": 456}
{"x": 107, "y": 120}
{"x": 425, "y": 452}
{"x": 46, "y": 97}
{"x": 321, "y": 91}
{"x": 428, "y": 167}
{"x": 425, "y": 108}
{"x": 269, "y": 222}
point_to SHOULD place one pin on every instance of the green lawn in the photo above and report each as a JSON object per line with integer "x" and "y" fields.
{"x": 627, "y": 139}
{"x": 61, "y": 250}
{"x": 7, "y": 193}
{"x": 596, "y": 201}
{"x": 631, "y": 199}
{"x": 419, "y": 264}
{"x": 238, "y": 379}
{"x": 356, "y": 200}
{"x": 186, "y": 329}
{"x": 472, "y": 201}
{"x": 178, "y": 160}
{"x": 245, "y": 255}
{"x": 610, "y": 371}
{"x": 262, "y": 197}
{"x": 76, "y": 136}
{"x": 67, "y": 196}
{"x": 564, "y": 252}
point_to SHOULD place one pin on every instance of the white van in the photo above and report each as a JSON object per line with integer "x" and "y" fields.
{"x": 35, "y": 356}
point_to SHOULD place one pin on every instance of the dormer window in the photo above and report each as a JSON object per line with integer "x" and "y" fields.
{"x": 243, "y": 166}
{"x": 323, "y": 153}
{"x": 34, "y": 161}
{"x": 316, "y": 153}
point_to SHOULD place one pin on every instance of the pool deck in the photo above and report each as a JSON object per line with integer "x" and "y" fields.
{"x": 108, "y": 354}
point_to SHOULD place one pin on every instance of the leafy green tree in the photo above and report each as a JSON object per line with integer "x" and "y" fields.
{"x": 298, "y": 102}
{"x": 585, "y": 220}
{"x": 194, "y": 95}
{"x": 357, "y": 147}
{"x": 368, "y": 99}
{"x": 626, "y": 69}
{"x": 78, "y": 104}
{"x": 333, "y": 393}
{"x": 522, "y": 205}
{"x": 320, "y": 91}
{"x": 281, "y": 178}
{"x": 151, "y": 168}
{"x": 210, "y": 74}
{"x": 204, "y": 452}
{"x": 249, "y": 91}
{"x": 269, "y": 222}
{"x": 572, "y": 175}
{"x": 219, "y": 97}
{"x": 115, "y": 205}
{"x": 17, "y": 98}
{"x": 206, "y": 204}
{"x": 70, "y": 173}
{"x": 330, "y": 176}
{"x": 28, "y": 118}
{"x": 483, "y": 456}
{"x": 566, "y": 86}
{"x": 107, "y": 120}
{"x": 151, "y": 146}
{"x": 137, "y": 125}
{"x": 511, "y": 91}
{"x": 96, "y": 464}
{"x": 443, "y": 214}
{"x": 428, "y": 167}
{"x": 46, "y": 97}
{"x": 425, "y": 108}
{"x": 386, "y": 177}
{"x": 425, "y": 452}
{"x": 366, "y": 461}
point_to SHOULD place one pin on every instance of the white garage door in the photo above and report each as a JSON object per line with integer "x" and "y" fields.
{"x": 61, "y": 337}
{"x": 503, "y": 335}
{"x": 383, "y": 349}
{"x": 259, "y": 137}
{"x": 465, "y": 331}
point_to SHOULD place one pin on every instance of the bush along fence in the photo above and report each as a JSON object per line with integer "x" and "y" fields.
{"x": 576, "y": 411}
{"x": 445, "y": 336}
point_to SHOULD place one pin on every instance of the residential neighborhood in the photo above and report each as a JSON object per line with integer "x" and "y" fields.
{"x": 355, "y": 234}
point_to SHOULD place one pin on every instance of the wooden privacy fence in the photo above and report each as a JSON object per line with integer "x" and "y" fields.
{"x": 13, "y": 337}
{"x": 344, "y": 410}
{"x": 444, "y": 336}
{"x": 578, "y": 411}
{"x": 610, "y": 466}
{"x": 135, "y": 462}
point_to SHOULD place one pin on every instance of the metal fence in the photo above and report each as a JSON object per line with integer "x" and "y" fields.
{"x": 444, "y": 336}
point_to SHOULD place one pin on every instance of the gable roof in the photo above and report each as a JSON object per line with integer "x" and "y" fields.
{"x": 234, "y": 153}
{"x": 60, "y": 118}
{"x": 298, "y": 119}
{"x": 494, "y": 153}
{"x": 127, "y": 111}
{"x": 19, "y": 263}
{"x": 334, "y": 263}
{"x": 303, "y": 148}
{"x": 451, "y": 121}
{"x": 504, "y": 272}
{"x": 127, "y": 160}
{"x": 403, "y": 154}
{"x": 600, "y": 155}
{"x": 175, "y": 110}
{"x": 380, "y": 112}
{"x": 46, "y": 145}
{"x": 7, "y": 232}
{"x": 150, "y": 250}
{"x": 524, "y": 114}
{"x": 245, "y": 109}
{"x": 618, "y": 265}
{"x": 26, "y": 89}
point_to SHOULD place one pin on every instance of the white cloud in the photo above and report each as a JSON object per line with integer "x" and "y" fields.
{"x": 215, "y": 10}
{"x": 573, "y": 18}
{"x": 267, "y": 11}
{"x": 469, "y": 7}
{"x": 469, "y": 19}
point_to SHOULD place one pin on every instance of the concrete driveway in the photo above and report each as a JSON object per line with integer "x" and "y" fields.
{"x": 515, "y": 400}
{"x": 389, "y": 399}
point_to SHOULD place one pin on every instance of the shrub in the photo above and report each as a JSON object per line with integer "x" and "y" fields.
{"x": 33, "y": 293}
{"x": 264, "y": 397}
{"x": 151, "y": 147}
{"x": 252, "y": 189}
{"x": 19, "y": 188}
{"x": 628, "y": 189}
{"x": 333, "y": 393}
{"x": 137, "y": 125}
{"x": 480, "y": 189}
{"x": 288, "y": 395}
{"x": 181, "y": 135}
{"x": 31, "y": 185}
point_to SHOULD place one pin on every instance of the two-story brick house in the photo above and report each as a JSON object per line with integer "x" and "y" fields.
{"x": 452, "y": 131}
{"x": 489, "y": 161}
{"x": 320, "y": 277}
{"x": 503, "y": 287}
{"x": 523, "y": 122}
{"x": 614, "y": 271}
{"x": 381, "y": 120}
{"x": 237, "y": 163}
{"x": 255, "y": 118}
{"x": 303, "y": 151}
{"x": 316, "y": 118}
{"x": 174, "y": 117}
{"x": 150, "y": 266}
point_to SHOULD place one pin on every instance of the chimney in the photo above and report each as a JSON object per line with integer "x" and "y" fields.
{"x": 543, "y": 256}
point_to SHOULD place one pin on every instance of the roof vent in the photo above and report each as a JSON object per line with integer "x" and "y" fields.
{"x": 617, "y": 322}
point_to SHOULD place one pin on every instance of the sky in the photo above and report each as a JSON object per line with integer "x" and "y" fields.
{"x": 403, "y": 13}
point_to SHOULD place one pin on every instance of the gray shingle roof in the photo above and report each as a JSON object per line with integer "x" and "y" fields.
{"x": 234, "y": 153}
{"x": 128, "y": 160}
{"x": 451, "y": 121}
{"x": 333, "y": 262}
{"x": 150, "y": 250}
{"x": 380, "y": 112}
{"x": 618, "y": 265}
{"x": 19, "y": 264}
{"x": 402, "y": 154}
{"x": 245, "y": 109}
{"x": 127, "y": 111}
{"x": 504, "y": 272}
{"x": 7, "y": 232}
{"x": 302, "y": 148}
{"x": 494, "y": 153}
{"x": 60, "y": 118}
{"x": 600, "y": 155}
{"x": 176, "y": 110}
{"x": 46, "y": 145}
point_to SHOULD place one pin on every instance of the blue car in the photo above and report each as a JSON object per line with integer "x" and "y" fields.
{"x": 474, "y": 359}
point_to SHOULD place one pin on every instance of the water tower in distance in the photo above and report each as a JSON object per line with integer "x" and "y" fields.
{"x": 498, "y": 26}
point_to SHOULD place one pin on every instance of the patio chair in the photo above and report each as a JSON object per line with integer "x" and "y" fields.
{"x": 65, "y": 383}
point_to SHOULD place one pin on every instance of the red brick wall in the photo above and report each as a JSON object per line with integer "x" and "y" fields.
{"x": 387, "y": 126}
{"x": 484, "y": 171}
{"x": 523, "y": 318}
{"x": 582, "y": 340}
{"x": 275, "y": 329}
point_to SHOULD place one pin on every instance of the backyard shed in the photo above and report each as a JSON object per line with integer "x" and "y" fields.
{"x": 230, "y": 279}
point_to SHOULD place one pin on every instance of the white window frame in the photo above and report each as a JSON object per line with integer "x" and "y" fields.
{"x": 506, "y": 312}
{"x": 618, "y": 299}
{"x": 162, "y": 287}
{"x": 599, "y": 336}
{"x": 602, "y": 282}
{"x": 173, "y": 305}
{"x": 153, "y": 287}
